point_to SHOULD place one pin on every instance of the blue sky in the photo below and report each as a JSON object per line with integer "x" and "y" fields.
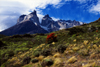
{"x": 79, "y": 10}
{"x": 73, "y": 10}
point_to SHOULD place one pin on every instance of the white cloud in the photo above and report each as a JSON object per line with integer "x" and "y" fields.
{"x": 92, "y": 8}
{"x": 37, "y": 3}
{"x": 59, "y": 5}
{"x": 95, "y": 8}
{"x": 10, "y": 10}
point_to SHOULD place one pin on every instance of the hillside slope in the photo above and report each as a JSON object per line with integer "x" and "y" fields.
{"x": 75, "y": 47}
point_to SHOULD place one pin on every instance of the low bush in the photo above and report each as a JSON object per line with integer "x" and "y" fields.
{"x": 92, "y": 29}
{"x": 61, "y": 48}
{"x": 2, "y": 44}
{"x": 51, "y": 38}
{"x": 27, "y": 35}
{"x": 36, "y": 53}
{"x": 75, "y": 30}
{"x": 84, "y": 52}
{"x": 47, "y": 62}
{"x": 26, "y": 60}
{"x": 3, "y": 60}
{"x": 46, "y": 52}
{"x": 10, "y": 53}
{"x": 72, "y": 59}
{"x": 16, "y": 36}
{"x": 34, "y": 60}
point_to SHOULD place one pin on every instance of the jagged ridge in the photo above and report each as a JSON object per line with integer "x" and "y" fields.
{"x": 29, "y": 24}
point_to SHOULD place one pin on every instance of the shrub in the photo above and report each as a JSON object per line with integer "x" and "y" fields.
{"x": 2, "y": 44}
{"x": 96, "y": 30}
{"x": 16, "y": 36}
{"x": 26, "y": 60}
{"x": 3, "y": 60}
{"x": 75, "y": 48}
{"x": 47, "y": 62}
{"x": 95, "y": 56}
{"x": 46, "y": 52}
{"x": 1, "y": 35}
{"x": 72, "y": 59}
{"x": 93, "y": 64}
{"x": 84, "y": 52}
{"x": 75, "y": 30}
{"x": 51, "y": 38}
{"x": 57, "y": 55}
{"x": 61, "y": 48}
{"x": 27, "y": 35}
{"x": 68, "y": 52}
{"x": 36, "y": 53}
{"x": 10, "y": 53}
{"x": 92, "y": 29}
{"x": 58, "y": 62}
{"x": 34, "y": 60}
{"x": 5, "y": 56}
{"x": 40, "y": 58}
{"x": 40, "y": 34}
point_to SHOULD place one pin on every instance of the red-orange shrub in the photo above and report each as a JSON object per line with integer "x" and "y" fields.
{"x": 96, "y": 30}
{"x": 51, "y": 38}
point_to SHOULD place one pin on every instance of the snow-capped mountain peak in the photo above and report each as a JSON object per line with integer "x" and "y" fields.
{"x": 30, "y": 24}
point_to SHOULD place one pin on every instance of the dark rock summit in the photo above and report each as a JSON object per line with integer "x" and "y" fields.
{"x": 21, "y": 18}
{"x": 46, "y": 20}
{"x": 32, "y": 17}
{"x": 34, "y": 12}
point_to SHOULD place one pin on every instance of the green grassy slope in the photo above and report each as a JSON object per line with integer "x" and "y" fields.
{"x": 75, "y": 47}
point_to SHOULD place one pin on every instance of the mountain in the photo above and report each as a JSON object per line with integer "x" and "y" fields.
{"x": 50, "y": 25}
{"x": 26, "y": 24}
{"x": 29, "y": 24}
{"x": 32, "y": 17}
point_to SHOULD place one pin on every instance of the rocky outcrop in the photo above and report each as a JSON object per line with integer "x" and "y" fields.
{"x": 46, "y": 20}
{"x": 32, "y": 17}
{"x": 21, "y": 18}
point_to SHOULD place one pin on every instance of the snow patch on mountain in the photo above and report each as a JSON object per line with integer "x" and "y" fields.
{"x": 81, "y": 22}
{"x": 45, "y": 28}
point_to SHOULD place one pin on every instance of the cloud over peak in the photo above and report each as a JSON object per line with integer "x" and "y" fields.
{"x": 96, "y": 8}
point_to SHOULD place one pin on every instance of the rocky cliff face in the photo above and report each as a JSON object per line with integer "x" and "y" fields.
{"x": 46, "y": 20}
{"x": 32, "y": 17}
{"x": 21, "y": 18}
